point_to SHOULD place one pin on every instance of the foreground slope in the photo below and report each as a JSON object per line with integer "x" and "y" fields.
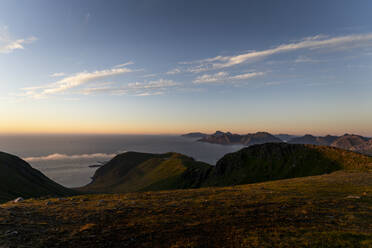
{"x": 19, "y": 179}
{"x": 332, "y": 210}
{"x": 134, "y": 171}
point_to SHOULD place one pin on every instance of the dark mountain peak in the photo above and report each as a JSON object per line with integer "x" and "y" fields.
{"x": 309, "y": 136}
{"x": 263, "y": 133}
{"x": 218, "y": 133}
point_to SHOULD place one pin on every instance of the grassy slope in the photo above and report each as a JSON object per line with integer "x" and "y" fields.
{"x": 18, "y": 178}
{"x": 132, "y": 171}
{"x": 333, "y": 210}
{"x": 279, "y": 161}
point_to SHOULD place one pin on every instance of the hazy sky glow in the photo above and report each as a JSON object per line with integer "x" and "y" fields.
{"x": 89, "y": 66}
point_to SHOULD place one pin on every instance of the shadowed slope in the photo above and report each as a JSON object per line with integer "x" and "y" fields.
{"x": 19, "y": 179}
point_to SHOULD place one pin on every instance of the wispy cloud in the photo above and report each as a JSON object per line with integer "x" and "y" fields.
{"x": 211, "y": 78}
{"x": 223, "y": 76}
{"x": 124, "y": 65}
{"x": 155, "y": 87}
{"x": 161, "y": 83}
{"x": 174, "y": 71}
{"x": 9, "y": 44}
{"x": 151, "y": 93}
{"x": 70, "y": 82}
{"x": 315, "y": 42}
{"x": 247, "y": 75}
{"x": 150, "y": 75}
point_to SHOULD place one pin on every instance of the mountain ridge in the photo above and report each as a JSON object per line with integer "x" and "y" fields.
{"x": 227, "y": 138}
{"x": 257, "y": 163}
{"x": 352, "y": 142}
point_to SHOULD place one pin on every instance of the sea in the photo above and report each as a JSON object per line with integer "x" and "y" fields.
{"x": 66, "y": 159}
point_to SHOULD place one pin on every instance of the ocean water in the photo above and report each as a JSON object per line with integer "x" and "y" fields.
{"x": 66, "y": 158}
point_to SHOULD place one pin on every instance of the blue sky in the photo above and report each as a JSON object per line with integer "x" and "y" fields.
{"x": 178, "y": 66}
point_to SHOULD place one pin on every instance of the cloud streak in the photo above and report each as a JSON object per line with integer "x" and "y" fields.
{"x": 156, "y": 87}
{"x": 222, "y": 77}
{"x": 123, "y": 65}
{"x": 315, "y": 42}
{"x": 65, "y": 157}
{"x": 174, "y": 71}
{"x": 70, "y": 82}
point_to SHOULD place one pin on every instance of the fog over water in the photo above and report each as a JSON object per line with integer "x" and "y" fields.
{"x": 66, "y": 158}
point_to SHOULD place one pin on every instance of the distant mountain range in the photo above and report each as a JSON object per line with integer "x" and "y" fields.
{"x": 350, "y": 142}
{"x": 233, "y": 139}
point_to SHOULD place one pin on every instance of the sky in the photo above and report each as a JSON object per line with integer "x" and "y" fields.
{"x": 172, "y": 66}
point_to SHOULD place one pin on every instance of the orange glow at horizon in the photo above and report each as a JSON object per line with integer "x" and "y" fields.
{"x": 152, "y": 128}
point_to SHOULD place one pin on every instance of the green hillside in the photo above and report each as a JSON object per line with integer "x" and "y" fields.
{"x": 133, "y": 171}
{"x": 19, "y": 179}
{"x": 274, "y": 161}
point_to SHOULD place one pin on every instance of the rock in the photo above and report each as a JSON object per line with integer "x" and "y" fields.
{"x": 19, "y": 199}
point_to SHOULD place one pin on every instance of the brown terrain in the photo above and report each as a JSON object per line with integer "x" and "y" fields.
{"x": 333, "y": 210}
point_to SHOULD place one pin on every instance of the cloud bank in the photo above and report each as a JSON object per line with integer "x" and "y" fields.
{"x": 65, "y": 157}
